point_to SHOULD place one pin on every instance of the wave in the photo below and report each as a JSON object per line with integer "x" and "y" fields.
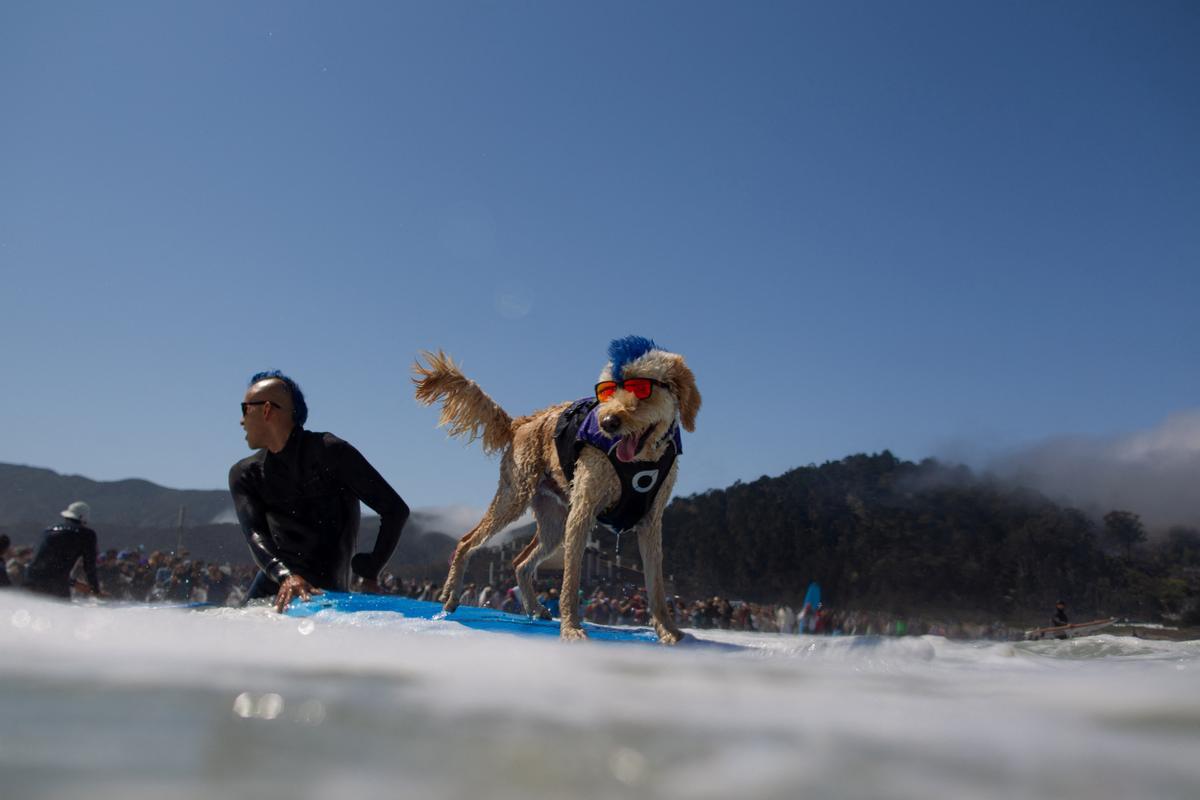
{"x": 135, "y": 701}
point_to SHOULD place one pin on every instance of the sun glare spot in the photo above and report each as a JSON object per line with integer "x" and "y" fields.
{"x": 269, "y": 706}
{"x": 243, "y": 705}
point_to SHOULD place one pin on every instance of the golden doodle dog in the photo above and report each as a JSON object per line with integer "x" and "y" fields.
{"x": 610, "y": 458}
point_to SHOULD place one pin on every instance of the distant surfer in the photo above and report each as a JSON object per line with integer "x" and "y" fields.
{"x": 1060, "y": 615}
{"x": 297, "y": 499}
{"x": 62, "y": 546}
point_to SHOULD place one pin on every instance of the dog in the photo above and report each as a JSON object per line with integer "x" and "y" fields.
{"x": 611, "y": 458}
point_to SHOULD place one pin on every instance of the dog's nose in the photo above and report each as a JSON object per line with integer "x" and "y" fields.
{"x": 610, "y": 424}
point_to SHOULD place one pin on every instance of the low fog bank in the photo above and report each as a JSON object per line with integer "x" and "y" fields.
{"x": 454, "y": 521}
{"x": 1154, "y": 473}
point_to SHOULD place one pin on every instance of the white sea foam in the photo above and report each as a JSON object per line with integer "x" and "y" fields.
{"x": 138, "y": 702}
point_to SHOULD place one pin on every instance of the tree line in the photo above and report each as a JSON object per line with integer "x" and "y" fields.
{"x": 881, "y": 533}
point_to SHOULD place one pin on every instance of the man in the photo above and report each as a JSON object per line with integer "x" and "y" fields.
{"x": 5, "y": 543}
{"x": 62, "y": 545}
{"x": 297, "y": 499}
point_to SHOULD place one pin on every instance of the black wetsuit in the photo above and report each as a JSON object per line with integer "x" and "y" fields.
{"x": 61, "y": 546}
{"x": 299, "y": 511}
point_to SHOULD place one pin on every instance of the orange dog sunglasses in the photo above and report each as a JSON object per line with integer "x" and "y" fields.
{"x": 638, "y": 387}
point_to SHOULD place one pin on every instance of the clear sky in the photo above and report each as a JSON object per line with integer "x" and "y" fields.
{"x": 939, "y": 228}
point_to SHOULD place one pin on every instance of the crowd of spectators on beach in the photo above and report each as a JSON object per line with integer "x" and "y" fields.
{"x": 165, "y": 577}
{"x": 155, "y": 577}
{"x": 610, "y": 603}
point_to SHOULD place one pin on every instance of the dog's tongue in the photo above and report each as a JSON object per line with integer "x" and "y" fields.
{"x": 627, "y": 448}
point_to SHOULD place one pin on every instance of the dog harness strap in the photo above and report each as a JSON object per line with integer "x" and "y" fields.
{"x": 640, "y": 480}
{"x": 566, "y": 433}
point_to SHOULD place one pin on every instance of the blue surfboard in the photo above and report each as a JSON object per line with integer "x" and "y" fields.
{"x": 812, "y": 598}
{"x": 483, "y": 619}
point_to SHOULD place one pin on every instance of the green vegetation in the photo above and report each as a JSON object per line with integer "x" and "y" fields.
{"x": 881, "y": 533}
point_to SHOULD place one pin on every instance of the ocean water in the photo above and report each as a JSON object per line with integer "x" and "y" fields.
{"x": 137, "y": 702}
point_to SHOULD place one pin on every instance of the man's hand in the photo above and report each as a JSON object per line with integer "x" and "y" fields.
{"x": 293, "y": 586}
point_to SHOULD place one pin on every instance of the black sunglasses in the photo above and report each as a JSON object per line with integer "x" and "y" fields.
{"x": 246, "y": 406}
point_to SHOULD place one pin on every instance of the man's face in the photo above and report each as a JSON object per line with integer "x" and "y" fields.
{"x": 264, "y": 406}
{"x": 254, "y": 419}
{"x": 259, "y": 403}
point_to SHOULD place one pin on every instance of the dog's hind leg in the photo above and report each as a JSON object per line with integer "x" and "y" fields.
{"x": 512, "y": 497}
{"x": 550, "y": 511}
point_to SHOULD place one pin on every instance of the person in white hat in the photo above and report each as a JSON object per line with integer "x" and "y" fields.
{"x": 61, "y": 547}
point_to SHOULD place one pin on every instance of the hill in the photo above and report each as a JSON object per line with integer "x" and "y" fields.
{"x": 879, "y": 532}
{"x": 36, "y": 495}
{"x": 138, "y": 514}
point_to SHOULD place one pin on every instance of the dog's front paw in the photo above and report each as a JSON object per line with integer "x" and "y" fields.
{"x": 571, "y": 633}
{"x": 668, "y": 635}
{"x": 538, "y": 611}
{"x": 450, "y": 605}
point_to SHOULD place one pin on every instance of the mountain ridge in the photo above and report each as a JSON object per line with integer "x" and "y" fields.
{"x": 37, "y": 494}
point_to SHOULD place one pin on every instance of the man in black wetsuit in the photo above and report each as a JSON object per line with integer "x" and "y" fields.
{"x": 62, "y": 545}
{"x": 5, "y": 543}
{"x": 297, "y": 499}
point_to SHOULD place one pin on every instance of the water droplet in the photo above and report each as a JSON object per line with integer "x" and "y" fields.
{"x": 311, "y": 712}
{"x": 306, "y": 627}
{"x": 627, "y": 765}
{"x": 243, "y": 705}
{"x": 269, "y": 706}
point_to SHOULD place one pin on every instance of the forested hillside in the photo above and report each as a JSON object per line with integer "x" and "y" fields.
{"x": 878, "y": 532}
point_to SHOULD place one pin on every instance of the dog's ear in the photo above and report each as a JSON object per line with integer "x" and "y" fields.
{"x": 683, "y": 386}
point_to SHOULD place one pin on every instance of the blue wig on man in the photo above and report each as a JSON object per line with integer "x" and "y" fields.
{"x": 299, "y": 407}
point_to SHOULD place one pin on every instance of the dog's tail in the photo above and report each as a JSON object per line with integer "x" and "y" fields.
{"x": 465, "y": 407}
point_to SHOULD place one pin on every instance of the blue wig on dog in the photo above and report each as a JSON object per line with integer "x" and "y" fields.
{"x": 622, "y": 351}
{"x": 299, "y": 407}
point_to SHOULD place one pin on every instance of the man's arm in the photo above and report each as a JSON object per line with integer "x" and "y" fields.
{"x": 253, "y": 518}
{"x": 357, "y": 474}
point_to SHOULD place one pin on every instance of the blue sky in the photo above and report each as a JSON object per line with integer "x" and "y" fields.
{"x": 940, "y": 228}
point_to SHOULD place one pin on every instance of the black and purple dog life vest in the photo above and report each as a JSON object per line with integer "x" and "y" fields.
{"x": 640, "y": 480}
